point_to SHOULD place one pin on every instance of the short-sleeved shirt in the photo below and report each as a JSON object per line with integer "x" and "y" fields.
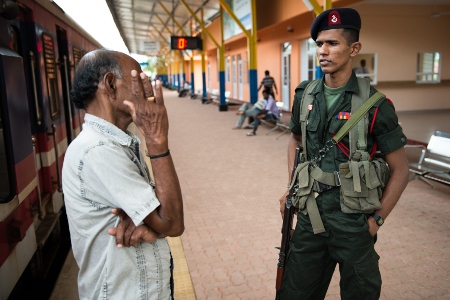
{"x": 104, "y": 169}
{"x": 260, "y": 104}
{"x": 271, "y": 107}
{"x": 386, "y": 135}
{"x": 268, "y": 82}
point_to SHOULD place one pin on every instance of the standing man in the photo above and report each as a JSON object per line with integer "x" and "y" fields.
{"x": 346, "y": 239}
{"x": 118, "y": 215}
{"x": 269, "y": 84}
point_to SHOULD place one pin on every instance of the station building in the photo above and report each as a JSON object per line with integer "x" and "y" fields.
{"x": 405, "y": 47}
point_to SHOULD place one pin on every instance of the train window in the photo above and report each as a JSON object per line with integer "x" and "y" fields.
{"x": 76, "y": 56}
{"x": 50, "y": 68}
{"x": 5, "y": 187}
{"x": 14, "y": 43}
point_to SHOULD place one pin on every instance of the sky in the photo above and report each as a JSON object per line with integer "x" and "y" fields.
{"x": 94, "y": 16}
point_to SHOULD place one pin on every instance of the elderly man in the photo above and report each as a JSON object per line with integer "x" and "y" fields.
{"x": 119, "y": 215}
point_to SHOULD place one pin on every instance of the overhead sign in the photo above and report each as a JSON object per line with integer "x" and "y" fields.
{"x": 185, "y": 43}
{"x": 149, "y": 46}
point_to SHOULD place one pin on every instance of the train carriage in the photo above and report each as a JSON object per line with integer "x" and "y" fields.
{"x": 40, "y": 47}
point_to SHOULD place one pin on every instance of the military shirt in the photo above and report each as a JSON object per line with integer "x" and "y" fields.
{"x": 321, "y": 126}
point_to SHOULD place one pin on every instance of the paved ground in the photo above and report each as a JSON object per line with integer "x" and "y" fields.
{"x": 231, "y": 184}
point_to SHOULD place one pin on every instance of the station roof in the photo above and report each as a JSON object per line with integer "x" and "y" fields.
{"x": 143, "y": 21}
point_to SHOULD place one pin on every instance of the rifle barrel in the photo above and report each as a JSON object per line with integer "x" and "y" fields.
{"x": 286, "y": 232}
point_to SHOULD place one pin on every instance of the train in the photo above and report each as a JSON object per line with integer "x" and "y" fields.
{"x": 40, "y": 48}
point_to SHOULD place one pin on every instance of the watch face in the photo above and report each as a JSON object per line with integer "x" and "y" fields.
{"x": 380, "y": 221}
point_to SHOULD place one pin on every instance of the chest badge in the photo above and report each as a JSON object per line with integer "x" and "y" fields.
{"x": 343, "y": 115}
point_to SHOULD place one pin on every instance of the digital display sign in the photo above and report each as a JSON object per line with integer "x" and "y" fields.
{"x": 185, "y": 43}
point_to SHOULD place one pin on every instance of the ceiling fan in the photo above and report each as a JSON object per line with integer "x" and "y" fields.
{"x": 436, "y": 14}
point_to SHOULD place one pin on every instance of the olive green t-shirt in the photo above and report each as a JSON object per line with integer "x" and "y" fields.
{"x": 332, "y": 95}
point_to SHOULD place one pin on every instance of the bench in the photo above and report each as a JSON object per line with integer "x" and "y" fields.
{"x": 215, "y": 96}
{"x": 434, "y": 161}
{"x": 281, "y": 124}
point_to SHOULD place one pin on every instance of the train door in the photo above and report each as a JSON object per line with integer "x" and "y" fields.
{"x": 52, "y": 141}
{"x": 286, "y": 74}
{"x": 78, "y": 119}
{"x": 64, "y": 68}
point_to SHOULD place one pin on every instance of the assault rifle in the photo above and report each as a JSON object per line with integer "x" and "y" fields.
{"x": 286, "y": 229}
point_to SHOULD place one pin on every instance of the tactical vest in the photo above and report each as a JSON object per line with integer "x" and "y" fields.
{"x": 361, "y": 179}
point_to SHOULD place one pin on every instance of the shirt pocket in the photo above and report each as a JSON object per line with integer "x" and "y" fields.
{"x": 313, "y": 121}
{"x": 335, "y": 125}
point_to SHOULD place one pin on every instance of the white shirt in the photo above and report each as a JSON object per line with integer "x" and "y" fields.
{"x": 103, "y": 169}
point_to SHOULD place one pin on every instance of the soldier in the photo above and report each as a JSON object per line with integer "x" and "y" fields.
{"x": 345, "y": 238}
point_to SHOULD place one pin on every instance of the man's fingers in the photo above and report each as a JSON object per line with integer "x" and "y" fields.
{"x": 143, "y": 234}
{"x": 136, "y": 90}
{"x": 112, "y": 231}
{"x": 158, "y": 92}
{"x": 120, "y": 229}
{"x": 128, "y": 233}
{"x": 148, "y": 89}
{"x": 118, "y": 212}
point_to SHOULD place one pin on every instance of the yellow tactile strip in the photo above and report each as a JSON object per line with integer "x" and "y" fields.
{"x": 182, "y": 279}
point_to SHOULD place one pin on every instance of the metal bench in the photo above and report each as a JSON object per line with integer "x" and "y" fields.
{"x": 434, "y": 161}
{"x": 279, "y": 124}
{"x": 215, "y": 96}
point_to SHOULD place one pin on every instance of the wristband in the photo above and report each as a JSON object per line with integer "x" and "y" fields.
{"x": 158, "y": 155}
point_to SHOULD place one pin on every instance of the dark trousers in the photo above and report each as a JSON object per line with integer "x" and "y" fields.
{"x": 268, "y": 117}
{"x": 312, "y": 260}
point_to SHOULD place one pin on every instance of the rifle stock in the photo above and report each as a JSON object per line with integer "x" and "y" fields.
{"x": 286, "y": 230}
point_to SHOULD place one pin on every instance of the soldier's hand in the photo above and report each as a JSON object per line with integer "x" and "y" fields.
{"x": 148, "y": 112}
{"x": 373, "y": 226}
{"x": 283, "y": 203}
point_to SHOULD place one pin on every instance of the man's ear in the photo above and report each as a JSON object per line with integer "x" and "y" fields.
{"x": 110, "y": 86}
{"x": 356, "y": 47}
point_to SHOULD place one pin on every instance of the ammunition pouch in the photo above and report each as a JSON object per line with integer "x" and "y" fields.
{"x": 363, "y": 182}
{"x": 309, "y": 181}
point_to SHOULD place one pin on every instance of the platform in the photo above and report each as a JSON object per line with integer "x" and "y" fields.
{"x": 231, "y": 184}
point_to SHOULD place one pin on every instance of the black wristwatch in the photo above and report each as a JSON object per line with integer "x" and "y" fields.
{"x": 378, "y": 219}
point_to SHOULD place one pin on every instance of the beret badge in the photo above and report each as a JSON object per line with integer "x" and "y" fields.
{"x": 334, "y": 18}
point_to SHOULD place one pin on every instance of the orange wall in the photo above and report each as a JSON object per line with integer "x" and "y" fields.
{"x": 403, "y": 32}
{"x": 395, "y": 32}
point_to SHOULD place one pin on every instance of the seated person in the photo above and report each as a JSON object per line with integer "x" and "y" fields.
{"x": 269, "y": 112}
{"x": 250, "y": 110}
